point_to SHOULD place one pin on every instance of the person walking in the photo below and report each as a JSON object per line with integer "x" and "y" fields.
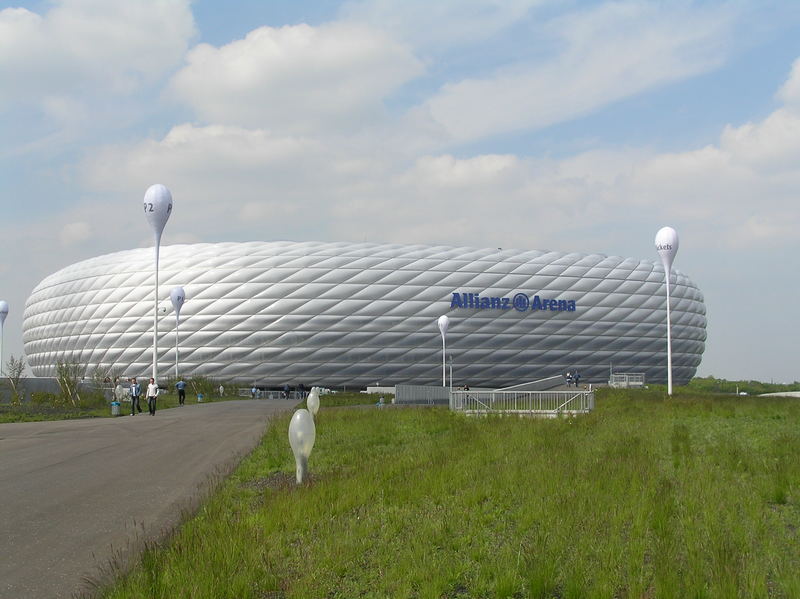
{"x": 135, "y": 391}
{"x": 181, "y": 387}
{"x": 152, "y": 393}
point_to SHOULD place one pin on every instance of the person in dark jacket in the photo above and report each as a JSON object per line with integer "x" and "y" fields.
{"x": 135, "y": 391}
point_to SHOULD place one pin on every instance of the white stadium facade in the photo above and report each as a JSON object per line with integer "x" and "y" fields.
{"x": 355, "y": 314}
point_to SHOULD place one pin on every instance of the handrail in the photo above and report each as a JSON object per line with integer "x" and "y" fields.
{"x": 558, "y": 409}
{"x": 522, "y": 402}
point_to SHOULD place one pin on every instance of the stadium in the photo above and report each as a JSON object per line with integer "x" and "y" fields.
{"x": 357, "y": 314}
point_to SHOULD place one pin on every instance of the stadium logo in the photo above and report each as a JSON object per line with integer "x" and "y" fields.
{"x": 521, "y": 302}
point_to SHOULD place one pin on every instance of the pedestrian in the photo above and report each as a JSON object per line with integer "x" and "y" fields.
{"x": 221, "y": 390}
{"x": 181, "y": 387}
{"x": 286, "y": 391}
{"x": 253, "y": 392}
{"x": 577, "y": 378}
{"x": 152, "y": 393}
{"x": 135, "y": 391}
{"x": 569, "y": 379}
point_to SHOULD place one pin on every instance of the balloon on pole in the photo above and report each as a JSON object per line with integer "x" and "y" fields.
{"x": 3, "y": 314}
{"x": 177, "y": 296}
{"x": 157, "y": 210}
{"x": 302, "y": 434}
{"x": 444, "y": 324}
{"x": 667, "y": 247}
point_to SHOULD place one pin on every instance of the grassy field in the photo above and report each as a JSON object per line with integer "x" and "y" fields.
{"x": 696, "y": 496}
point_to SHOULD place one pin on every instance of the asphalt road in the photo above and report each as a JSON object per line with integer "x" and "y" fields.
{"x": 75, "y": 494}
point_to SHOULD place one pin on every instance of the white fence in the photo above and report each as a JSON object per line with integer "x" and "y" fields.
{"x": 547, "y": 404}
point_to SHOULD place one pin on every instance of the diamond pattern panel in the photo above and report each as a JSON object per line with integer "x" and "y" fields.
{"x": 356, "y": 314}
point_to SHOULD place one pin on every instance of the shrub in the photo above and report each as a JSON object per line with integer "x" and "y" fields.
{"x": 44, "y": 398}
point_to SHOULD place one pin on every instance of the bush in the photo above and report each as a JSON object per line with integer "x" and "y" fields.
{"x": 93, "y": 399}
{"x": 44, "y": 398}
{"x": 207, "y": 386}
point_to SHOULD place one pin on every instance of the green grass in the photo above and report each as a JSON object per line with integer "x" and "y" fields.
{"x": 695, "y": 496}
{"x": 29, "y": 412}
{"x": 351, "y": 399}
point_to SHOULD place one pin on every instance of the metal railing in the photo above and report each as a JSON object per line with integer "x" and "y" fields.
{"x": 421, "y": 394}
{"x": 626, "y": 380}
{"x": 269, "y": 394}
{"x": 537, "y": 385}
{"x": 533, "y": 403}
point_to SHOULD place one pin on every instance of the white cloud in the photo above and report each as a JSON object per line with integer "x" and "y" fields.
{"x": 790, "y": 91}
{"x": 296, "y": 78}
{"x": 607, "y": 53}
{"x": 255, "y": 184}
{"x": 440, "y": 25}
{"x": 89, "y": 47}
{"x": 75, "y": 233}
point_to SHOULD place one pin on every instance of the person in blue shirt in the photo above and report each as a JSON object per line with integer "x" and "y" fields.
{"x": 135, "y": 391}
{"x": 181, "y": 387}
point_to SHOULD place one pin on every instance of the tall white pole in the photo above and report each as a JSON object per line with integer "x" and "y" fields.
{"x": 444, "y": 323}
{"x": 669, "y": 343}
{"x": 444, "y": 369}
{"x": 157, "y": 210}
{"x": 3, "y": 314}
{"x": 667, "y": 247}
{"x": 177, "y": 296}
{"x": 451, "y": 374}
{"x": 155, "y": 316}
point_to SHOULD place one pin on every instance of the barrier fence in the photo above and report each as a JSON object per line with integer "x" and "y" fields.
{"x": 533, "y": 403}
{"x": 627, "y": 380}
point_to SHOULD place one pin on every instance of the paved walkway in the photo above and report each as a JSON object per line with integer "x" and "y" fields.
{"x": 75, "y": 493}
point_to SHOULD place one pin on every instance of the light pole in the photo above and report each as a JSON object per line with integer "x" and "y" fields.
{"x": 3, "y": 314}
{"x": 667, "y": 247}
{"x": 451, "y": 372}
{"x": 178, "y": 296}
{"x": 157, "y": 209}
{"x": 443, "y": 323}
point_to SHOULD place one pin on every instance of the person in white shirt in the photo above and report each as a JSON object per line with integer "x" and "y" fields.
{"x": 152, "y": 393}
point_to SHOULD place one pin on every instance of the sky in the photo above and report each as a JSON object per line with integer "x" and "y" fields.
{"x": 532, "y": 124}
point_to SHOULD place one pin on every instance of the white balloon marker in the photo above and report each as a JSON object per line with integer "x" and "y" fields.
{"x": 3, "y": 314}
{"x": 444, "y": 323}
{"x": 157, "y": 209}
{"x": 667, "y": 246}
{"x": 313, "y": 401}
{"x": 302, "y": 434}
{"x": 178, "y": 296}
